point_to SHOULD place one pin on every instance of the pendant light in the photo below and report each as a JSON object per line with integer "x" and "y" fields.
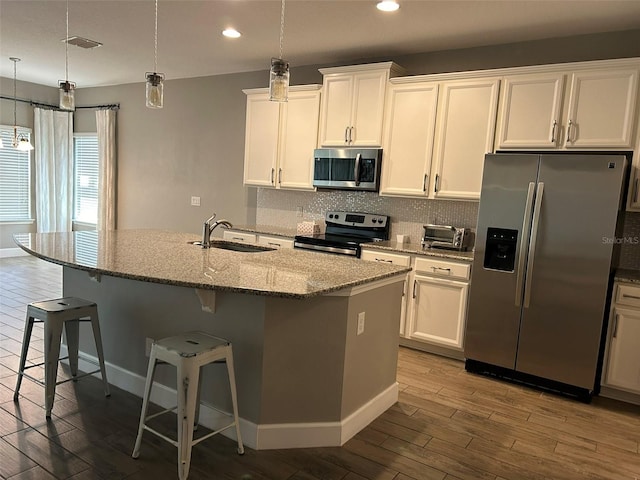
{"x": 20, "y": 142}
{"x": 279, "y": 75}
{"x": 155, "y": 80}
{"x": 67, "y": 88}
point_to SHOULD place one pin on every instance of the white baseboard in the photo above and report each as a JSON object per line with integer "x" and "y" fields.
{"x": 325, "y": 434}
{"x": 12, "y": 252}
{"x": 257, "y": 437}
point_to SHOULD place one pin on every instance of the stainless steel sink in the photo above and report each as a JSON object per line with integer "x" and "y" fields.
{"x": 236, "y": 247}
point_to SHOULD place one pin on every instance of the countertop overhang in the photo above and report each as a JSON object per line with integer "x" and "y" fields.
{"x": 168, "y": 258}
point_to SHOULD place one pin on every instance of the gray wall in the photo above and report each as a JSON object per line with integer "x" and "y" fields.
{"x": 195, "y": 145}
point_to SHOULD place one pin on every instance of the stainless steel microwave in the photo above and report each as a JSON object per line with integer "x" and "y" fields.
{"x": 347, "y": 168}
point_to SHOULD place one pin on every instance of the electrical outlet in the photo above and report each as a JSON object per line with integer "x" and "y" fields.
{"x": 360, "y": 323}
{"x": 147, "y": 346}
{"x": 299, "y": 211}
{"x": 195, "y": 201}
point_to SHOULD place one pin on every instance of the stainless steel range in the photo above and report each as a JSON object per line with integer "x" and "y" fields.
{"x": 345, "y": 232}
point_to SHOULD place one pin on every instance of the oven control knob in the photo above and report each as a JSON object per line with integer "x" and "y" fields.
{"x": 380, "y": 220}
{"x": 331, "y": 215}
{"x": 373, "y": 220}
{"x": 337, "y": 216}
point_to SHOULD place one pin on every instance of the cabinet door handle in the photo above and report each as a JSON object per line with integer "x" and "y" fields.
{"x": 346, "y": 135}
{"x": 273, "y": 171}
{"x": 280, "y": 176}
{"x": 414, "y": 288}
{"x": 615, "y": 326}
{"x": 424, "y": 182}
{"x": 435, "y": 186}
{"x": 569, "y": 131}
{"x": 635, "y": 191}
{"x": 350, "y": 135}
{"x": 553, "y": 131}
{"x": 404, "y": 288}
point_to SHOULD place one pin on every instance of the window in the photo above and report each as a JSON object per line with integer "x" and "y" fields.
{"x": 15, "y": 178}
{"x": 85, "y": 178}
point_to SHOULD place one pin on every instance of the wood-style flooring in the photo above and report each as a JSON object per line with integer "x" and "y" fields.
{"x": 448, "y": 424}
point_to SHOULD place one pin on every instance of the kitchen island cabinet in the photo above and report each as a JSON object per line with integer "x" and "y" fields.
{"x": 306, "y": 374}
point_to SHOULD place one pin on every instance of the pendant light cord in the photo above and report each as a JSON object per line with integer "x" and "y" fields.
{"x": 15, "y": 101}
{"x": 155, "y": 53}
{"x": 281, "y": 29}
{"x": 66, "y": 49}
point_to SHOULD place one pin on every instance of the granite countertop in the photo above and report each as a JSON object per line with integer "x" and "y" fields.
{"x": 167, "y": 257}
{"x": 627, "y": 275}
{"x": 416, "y": 249}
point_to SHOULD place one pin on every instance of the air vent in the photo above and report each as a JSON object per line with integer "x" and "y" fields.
{"x": 82, "y": 42}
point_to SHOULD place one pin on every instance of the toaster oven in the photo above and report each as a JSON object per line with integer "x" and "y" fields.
{"x": 447, "y": 237}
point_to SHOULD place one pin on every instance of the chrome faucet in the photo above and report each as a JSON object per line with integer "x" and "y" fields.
{"x": 208, "y": 229}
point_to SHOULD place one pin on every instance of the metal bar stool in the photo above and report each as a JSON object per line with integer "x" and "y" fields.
{"x": 188, "y": 352}
{"x": 55, "y": 314}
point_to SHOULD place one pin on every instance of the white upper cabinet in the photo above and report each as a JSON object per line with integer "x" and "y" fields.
{"x": 602, "y": 107}
{"x": 598, "y": 110}
{"x": 530, "y": 112}
{"x": 436, "y": 137}
{"x": 280, "y": 138}
{"x": 408, "y": 139}
{"x": 353, "y": 104}
{"x": 465, "y": 130}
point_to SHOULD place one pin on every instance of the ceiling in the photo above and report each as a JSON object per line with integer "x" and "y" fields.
{"x": 190, "y": 43}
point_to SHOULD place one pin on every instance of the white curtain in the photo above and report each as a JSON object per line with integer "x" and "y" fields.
{"x": 106, "y": 126}
{"x": 53, "y": 132}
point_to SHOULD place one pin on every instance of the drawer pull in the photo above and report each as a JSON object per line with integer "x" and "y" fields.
{"x": 383, "y": 260}
{"x": 440, "y": 268}
{"x": 240, "y": 239}
{"x": 274, "y": 244}
{"x": 635, "y": 297}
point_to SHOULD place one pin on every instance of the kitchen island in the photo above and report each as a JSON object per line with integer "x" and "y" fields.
{"x": 314, "y": 335}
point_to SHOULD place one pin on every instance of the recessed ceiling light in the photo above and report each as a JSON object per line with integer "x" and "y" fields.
{"x": 388, "y": 5}
{"x": 231, "y": 33}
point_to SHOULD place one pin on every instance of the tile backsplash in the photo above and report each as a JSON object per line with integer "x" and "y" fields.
{"x": 280, "y": 208}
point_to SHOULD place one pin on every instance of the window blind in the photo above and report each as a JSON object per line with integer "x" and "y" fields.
{"x": 85, "y": 195}
{"x": 15, "y": 178}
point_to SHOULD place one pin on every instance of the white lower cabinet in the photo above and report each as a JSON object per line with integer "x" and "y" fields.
{"x": 434, "y": 310}
{"x": 438, "y": 305}
{"x": 235, "y": 236}
{"x": 275, "y": 242}
{"x": 621, "y": 377}
{"x": 260, "y": 239}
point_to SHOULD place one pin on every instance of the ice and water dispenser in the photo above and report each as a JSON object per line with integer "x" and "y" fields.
{"x": 500, "y": 249}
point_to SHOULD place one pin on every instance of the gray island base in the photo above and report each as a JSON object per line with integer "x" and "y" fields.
{"x": 306, "y": 376}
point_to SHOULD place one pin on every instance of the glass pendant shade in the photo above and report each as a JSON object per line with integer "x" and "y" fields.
{"x": 20, "y": 142}
{"x": 67, "y": 95}
{"x": 279, "y": 80}
{"x": 155, "y": 90}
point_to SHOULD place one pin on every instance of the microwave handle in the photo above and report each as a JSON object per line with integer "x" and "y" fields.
{"x": 356, "y": 170}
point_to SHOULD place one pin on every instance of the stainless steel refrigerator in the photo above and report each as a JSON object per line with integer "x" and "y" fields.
{"x": 542, "y": 269}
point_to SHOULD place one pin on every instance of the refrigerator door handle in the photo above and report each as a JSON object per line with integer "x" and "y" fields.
{"x": 532, "y": 245}
{"x": 526, "y": 225}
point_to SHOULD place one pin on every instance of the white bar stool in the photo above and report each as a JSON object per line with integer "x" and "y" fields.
{"x": 55, "y": 314}
{"x": 188, "y": 352}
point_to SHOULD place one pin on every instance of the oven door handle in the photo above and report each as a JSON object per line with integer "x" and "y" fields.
{"x": 356, "y": 169}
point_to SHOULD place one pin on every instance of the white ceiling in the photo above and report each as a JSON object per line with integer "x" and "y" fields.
{"x": 316, "y": 32}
